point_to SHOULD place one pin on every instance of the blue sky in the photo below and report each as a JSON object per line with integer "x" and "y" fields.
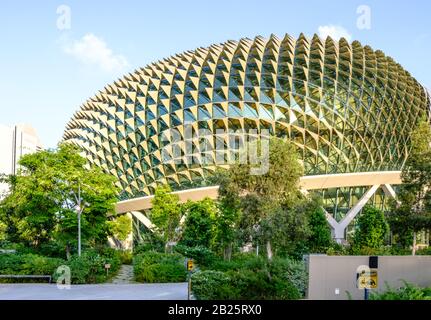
{"x": 47, "y": 72}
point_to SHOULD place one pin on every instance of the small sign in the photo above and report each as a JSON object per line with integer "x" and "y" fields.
{"x": 190, "y": 265}
{"x": 367, "y": 279}
{"x": 107, "y": 266}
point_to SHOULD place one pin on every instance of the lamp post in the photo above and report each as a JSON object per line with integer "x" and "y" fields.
{"x": 79, "y": 211}
{"x": 79, "y": 208}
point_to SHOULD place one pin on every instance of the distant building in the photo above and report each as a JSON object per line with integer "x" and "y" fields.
{"x": 15, "y": 142}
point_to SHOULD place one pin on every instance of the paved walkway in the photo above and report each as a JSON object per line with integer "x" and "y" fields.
{"x": 147, "y": 291}
{"x": 125, "y": 275}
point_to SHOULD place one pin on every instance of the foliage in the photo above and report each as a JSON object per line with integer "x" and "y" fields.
{"x": 424, "y": 251}
{"x": 228, "y": 214}
{"x": 165, "y": 212}
{"x": 28, "y": 264}
{"x": 152, "y": 267}
{"x": 320, "y": 239}
{"x": 126, "y": 257}
{"x": 412, "y": 212}
{"x": 251, "y": 277}
{"x": 121, "y": 227}
{"x": 203, "y": 256}
{"x": 212, "y": 285}
{"x": 43, "y": 196}
{"x": 199, "y": 223}
{"x": 3, "y": 228}
{"x": 264, "y": 200}
{"x": 407, "y": 292}
{"x": 149, "y": 241}
{"x": 90, "y": 266}
{"x": 371, "y": 228}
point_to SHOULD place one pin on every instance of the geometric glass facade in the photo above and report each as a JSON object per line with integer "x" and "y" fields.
{"x": 346, "y": 107}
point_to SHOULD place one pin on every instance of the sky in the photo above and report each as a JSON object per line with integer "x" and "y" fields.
{"x": 54, "y": 55}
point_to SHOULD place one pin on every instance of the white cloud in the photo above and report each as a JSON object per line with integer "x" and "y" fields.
{"x": 92, "y": 50}
{"x": 335, "y": 32}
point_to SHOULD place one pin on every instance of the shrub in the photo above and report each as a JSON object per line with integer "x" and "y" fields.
{"x": 251, "y": 277}
{"x": 28, "y": 264}
{"x": 159, "y": 267}
{"x": 423, "y": 252}
{"x": 371, "y": 228}
{"x": 320, "y": 238}
{"x": 90, "y": 266}
{"x": 212, "y": 285}
{"x": 126, "y": 257}
{"x": 407, "y": 292}
{"x": 292, "y": 271}
{"x": 199, "y": 223}
{"x": 203, "y": 256}
{"x": 147, "y": 247}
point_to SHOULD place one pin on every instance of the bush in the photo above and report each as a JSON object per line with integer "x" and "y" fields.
{"x": 126, "y": 257}
{"x": 251, "y": 277}
{"x": 212, "y": 285}
{"x": 294, "y": 272}
{"x": 203, "y": 256}
{"x": 90, "y": 266}
{"x": 407, "y": 292}
{"x": 154, "y": 267}
{"x": 422, "y": 252}
{"x": 28, "y": 264}
{"x": 147, "y": 247}
{"x": 371, "y": 228}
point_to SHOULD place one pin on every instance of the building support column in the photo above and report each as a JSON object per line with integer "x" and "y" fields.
{"x": 339, "y": 228}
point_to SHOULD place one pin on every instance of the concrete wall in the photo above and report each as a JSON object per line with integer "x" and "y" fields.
{"x": 331, "y": 274}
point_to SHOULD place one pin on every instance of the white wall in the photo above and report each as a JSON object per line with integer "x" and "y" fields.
{"x": 331, "y": 277}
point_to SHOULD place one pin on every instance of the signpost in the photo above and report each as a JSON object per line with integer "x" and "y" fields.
{"x": 367, "y": 276}
{"x": 190, "y": 267}
{"x": 107, "y": 267}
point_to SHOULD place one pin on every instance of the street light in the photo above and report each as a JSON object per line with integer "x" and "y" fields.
{"x": 80, "y": 208}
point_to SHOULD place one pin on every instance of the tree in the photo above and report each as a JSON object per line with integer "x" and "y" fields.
{"x": 199, "y": 225}
{"x": 121, "y": 227}
{"x": 166, "y": 213}
{"x": 411, "y": 212}
{"x": 42, "y": 203}
{"x": 320, "y": 239}
{"x": 371, "y": 229}
{"x": 263, "y": 198}
{"x": 3, "y": 228}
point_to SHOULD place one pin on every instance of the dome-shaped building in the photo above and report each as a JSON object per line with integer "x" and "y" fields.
{"x": 349, "y": 110}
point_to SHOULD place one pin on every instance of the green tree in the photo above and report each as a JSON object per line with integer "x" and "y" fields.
{"x": 199, "y": 225}
{"x": 264, "y": 197}
{"x": 411, "y": 212}
{"x": 166, "y": 213}
{"x": 228, "y": 214}
{"x": 43, "y": 198}
{"x": 3, "y": 228}
{"x": 371, "y": 229}
{"x": 320, "y": 239}
{"x": 121, "y": 227}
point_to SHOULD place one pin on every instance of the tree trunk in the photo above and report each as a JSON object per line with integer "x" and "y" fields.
{"x": 414, "y": 244}
{"x": 228, "y": 252}
{"x": 269, "y": 250}
{"x": 67, "y": 252}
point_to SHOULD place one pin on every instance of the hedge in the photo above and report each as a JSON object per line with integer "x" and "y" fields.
{"x": 157, "y": 267}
